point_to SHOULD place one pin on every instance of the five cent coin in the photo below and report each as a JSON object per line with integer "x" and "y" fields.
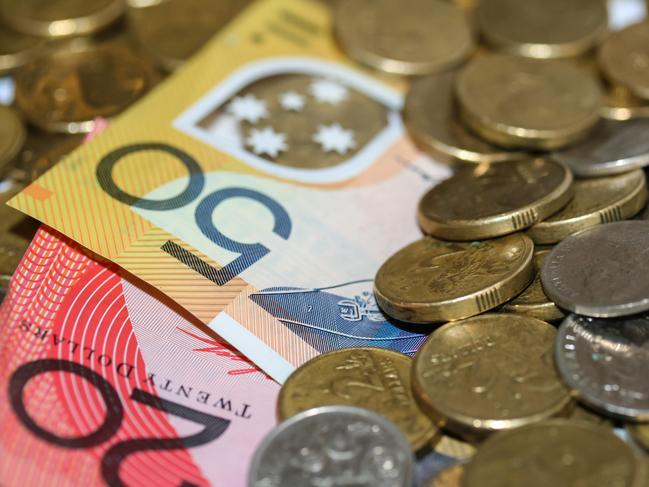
{"x": 602, "y": 271}
{"x": 374, "y": 378}
{"x": 491, "y": 200}
{"x": 489, "y": 373}
{"x": 431, "y": 281}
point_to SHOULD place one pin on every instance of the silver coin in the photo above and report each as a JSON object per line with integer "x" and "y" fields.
{"x": 611, "y": 148}
{"x": 336, "y": 446}
{"x": 601, "y": 272}
{"x": 605, "y": 361}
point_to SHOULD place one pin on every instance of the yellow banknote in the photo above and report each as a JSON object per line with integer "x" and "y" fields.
{"x": 260, "y": 188}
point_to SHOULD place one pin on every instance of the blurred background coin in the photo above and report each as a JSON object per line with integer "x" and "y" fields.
{"x": 333, "y": 445}
{"x": 12, "y": 138}
{"x": 449, "y": 477}
{"x": 374, "y": 378}
{"x": 431, "y": 280}
{"x": 595, "y": 201}
{"x": 528, "y": 103}
{"x": 640, "y": 433}
{"x": 486, "y": 201}
{"x": 543, "y": 28}
{"x": 620, "y": 105}
{"x": 16, "y": 49}
{"x": 611, "y": 148}
{"x": 602, "y": 271}
{"x": 488, "y": 373}
{"x": 408, "y": 37}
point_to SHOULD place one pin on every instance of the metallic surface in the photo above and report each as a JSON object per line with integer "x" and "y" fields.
{"x": 432, "y": 281}
{"x": 12, "y": 137}
{"x": 333, "y": 445}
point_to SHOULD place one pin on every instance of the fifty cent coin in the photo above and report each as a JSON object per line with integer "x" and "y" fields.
{"x": 431, "y": 281}
{"x": 489, "y": 373}
{"x": 602, "y": 271}
{"x": 374, "y": 378}
{"x": 333, "y": 445}
{"x": 605, "y": 362}
{"x": 491, "y": 200}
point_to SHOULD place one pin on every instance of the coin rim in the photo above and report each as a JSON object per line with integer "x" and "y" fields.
{"x": 423, "y": 438}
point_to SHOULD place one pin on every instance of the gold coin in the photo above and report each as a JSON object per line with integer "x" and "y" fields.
{"x": 595, "y": 201}
{"x": 621, "y": 105}
{"x": 557, "y": 453}
{"x": 12, "y": 137}
{"x": 408, "y": 37}
{"x": 374, "y": 378}
{"x": 543, "y": 28}
{"x": 172, "y": 31}
{"x": 59, "y": 18}
{"x": 640, "y": 433}
{"x": 16, "y": 49}
{"x": 536, "y": 104}
{"x": 65, "y": 90}
{"x": 449, "y": 477}
{"x": 432, "y": 120}
{"x": 431, "y": 281}
{"x": 624, "y": 59}
{"x": 488, "y": 373}
{"x": 580, "y": 413}
{"x": 454, "y": 447}
{"x": 532, "y": 301}
{"x": 486, "y": 201}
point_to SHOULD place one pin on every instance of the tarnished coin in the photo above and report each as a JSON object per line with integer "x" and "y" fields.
{"x": 621, "y": 105}
{"x": 12, "y": 137}
{"x": 173, "y": 30}
{"x": 559, "y": 453}
{"x": 595, "y": 201}
{"x": 624, "y": 58}
{"x": 41, "y": 152}
{"x": 537, "y": 104}
{"x": 543, "y": 28}
{"x": 408, "y": 37}
{"x": 432, "y": 120}
{"x": 491, "y": 200}
{"x": 602, "y": 271}
{"x": 605, "y": 362}
{"x": 333, "y": 445}
{"x": 16, "y": 49}
{"x": 489, "y": 373}
{"x": 611, "y": 148}
{"x": 375, "y": 378}
{"x": 65, "y": 90}
{"x": 533, "y": 301}
{"x": 58, "y": 18}
{"x": 431, "y": 281}
{"x": 640, "y": 433}
{"x": 449, "y": 477}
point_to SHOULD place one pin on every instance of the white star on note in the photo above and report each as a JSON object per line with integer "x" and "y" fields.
{"x": 335, "y": 138}
{"x": 248, "y": 108}
{"x": 327, "y": 91}
{"x": 291, "y": 101}
{"x": 267, "y": 141}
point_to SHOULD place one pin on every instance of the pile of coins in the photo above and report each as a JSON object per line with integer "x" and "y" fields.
{"x": 532, "y": 277}
{"x": 76, "y": 62}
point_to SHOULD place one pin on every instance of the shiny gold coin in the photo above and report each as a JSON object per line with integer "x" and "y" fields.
{"x": 16, "y": 49}
{"x": 486, "y": 201}
{"x": 408, "y": 37}
{"x": 624, "y": 59}
{"x": 65, "y": 90}
{"x": 40, "y": 152}
{"x": 59, "y": 18}
{"x": 449, "y": 477}
{"x": 431, "y": 281}
{"x": 488, "y": 373}
{"x": 543, "y": 28}
{"x": 532, "y": 301}
{"x": 174, "y": 30}
{"x": 640, "y": 433}
{"x": 621, "y": 105}
{"x": 557, "y": 453}
{"x": 12, "y": 137}
{"x": 595, "y": 201}
{"x": 536, "y": 104}
{"x": 432, "y": 120}
{"x": 374, "y": 378}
